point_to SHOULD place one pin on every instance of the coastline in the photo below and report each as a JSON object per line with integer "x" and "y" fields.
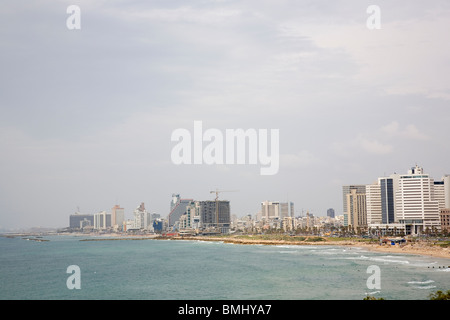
{"x": 416, "y": 249}
{"x": 410, "y": 248}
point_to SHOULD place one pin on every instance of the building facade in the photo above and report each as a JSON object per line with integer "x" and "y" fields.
{"x": 117, "y": 216}
{"x": 373, "y": 203}
{"x": 360, "y": 188}
{"x": 102, "y": 220}
{"x": 331, "y": 213}
{"x": 78, "y": 220}
{"x": 387, "y": 200}
{"x": 141, "y": 217}
{"x": 276, "y": 210}
{"x": 212, "y": 218}
{"x": 177, "y": 209}
{"x": 356, "y": 206}
{"x": 445, "y": 220}
{"x": 416, "y": 206}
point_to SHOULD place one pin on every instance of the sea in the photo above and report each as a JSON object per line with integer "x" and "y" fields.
{"x": 209, "y": 270}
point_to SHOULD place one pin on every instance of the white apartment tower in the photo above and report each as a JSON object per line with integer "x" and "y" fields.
{"x": 446, "y": 180}
{"x": 270, "y": 209}
{"x": 439, "y": 193}
{"x": 442, "y": 192}
{"x": 416, "y": 206}
{"x": 373, "y": 203}
{"x": 102, "y": 220}
{"x": 277, "y": 210}
{"x": 140, "y": 217}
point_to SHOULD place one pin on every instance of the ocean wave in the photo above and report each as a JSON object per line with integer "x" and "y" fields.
{"x": 424, "y": 287}
{"x": 389, "y": 259}
{"x": 207, "y": 242}
{"x": 421, "y": 282}
{"x": 384, "y": 259}
{"x": 291, "y": 246}
{"x": 334, "y": 251}
{"x": 283, "y": 246}
{"x": 291, "y": 252}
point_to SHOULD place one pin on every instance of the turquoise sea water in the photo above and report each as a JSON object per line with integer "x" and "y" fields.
{"x": 180, "y": 270}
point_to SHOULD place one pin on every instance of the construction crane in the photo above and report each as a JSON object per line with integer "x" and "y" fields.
{"x": 217, "y": 203}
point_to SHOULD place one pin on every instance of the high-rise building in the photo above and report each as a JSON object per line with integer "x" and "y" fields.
{"x": 387, "y": 200}
{"x": 210, "y": 218}
{"x": 174, "y": 201}
{"x": 360, "y": 188}
{"x": 177, "y": 208}
{"x": 442, "y": 192}
{"x": 76, "y": 219}
{"x": 330, "y": 213}
{"x": 191, "y": 218}
{"x": 286, "y": 210}
{"x": 141, "y": 217}
{"x": 373, "y": 203}
{"x": 356, "y": 209}
{"x": 117, "y": 216}
{"x": 270, "y": 209}
{"x": 439, "y": 193}
{"x": 446, "y": 180}
{"x": 416, "y": 206}
{"x": 380, "y": 201}
{"x": 444, "y": 213}
{"x": 102, "y": 220}
{"x": 277, "y": 210}
{"x": 346, "y": 190}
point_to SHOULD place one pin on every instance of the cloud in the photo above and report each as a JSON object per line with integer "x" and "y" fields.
{"x": 383, "y": 141}
{"x": 183, "y": 14}
{"x": 374, "y": 146}
{"x": 303, "y": 158}
{"x": 393, "y": 129}
{"x": 407, "y": 56}
{"x": 361, "y": 142}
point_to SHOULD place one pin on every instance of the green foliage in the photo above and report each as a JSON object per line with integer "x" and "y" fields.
{"x": 272, "y": 237}
{"x": 316, "y": 239}
{"x": 372, "y": 298}
{"x": 439, "y": 295}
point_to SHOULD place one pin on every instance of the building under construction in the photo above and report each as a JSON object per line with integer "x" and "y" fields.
{"x": 215, "y": 218}
{"x": 195, "y": 217}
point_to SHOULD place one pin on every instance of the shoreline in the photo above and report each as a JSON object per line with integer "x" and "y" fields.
{"x": 415, "y": 249}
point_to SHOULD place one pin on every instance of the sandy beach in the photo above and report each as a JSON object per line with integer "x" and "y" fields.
{"x": 418, "y": 249}
{"x": 409, "y": 248}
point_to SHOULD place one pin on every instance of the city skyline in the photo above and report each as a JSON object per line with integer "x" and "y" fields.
{"x": 87, "y": 114}
{"x": 409, "y": 203}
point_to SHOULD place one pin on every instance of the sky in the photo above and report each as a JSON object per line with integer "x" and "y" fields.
{"x": 86, "y": 115}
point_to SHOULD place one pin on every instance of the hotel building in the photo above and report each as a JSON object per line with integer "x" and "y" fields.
{"x": 356, "y": 210}
{"x": 416, "y": 207}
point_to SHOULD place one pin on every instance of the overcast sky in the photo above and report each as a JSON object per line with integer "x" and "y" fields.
{"x": 86, "y": 116}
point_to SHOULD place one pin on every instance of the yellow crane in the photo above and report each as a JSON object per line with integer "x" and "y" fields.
{"x": 217, "y": 203}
